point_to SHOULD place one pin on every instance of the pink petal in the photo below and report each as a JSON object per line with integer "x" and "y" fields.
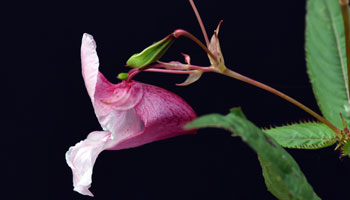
{"x": 132, "y": 114}
{"x": 114, "y": 108}
{"x": 163, "y": 114}
{"x": 107, "y": 98}
{"x": 98, "y": 87}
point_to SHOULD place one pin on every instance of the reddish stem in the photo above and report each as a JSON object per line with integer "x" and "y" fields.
{"x": 179, "y": 32}
{"x": 203, "y": 69}
{"x": 200, "y": 22}
{"x": 240, "y": 77}
{"x": 132, "y": 73}
{"x": 170, "y": 71}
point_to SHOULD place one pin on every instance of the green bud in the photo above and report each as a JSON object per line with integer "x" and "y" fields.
{"x": 151, "y": 53}
{"x": 123, "y": 76}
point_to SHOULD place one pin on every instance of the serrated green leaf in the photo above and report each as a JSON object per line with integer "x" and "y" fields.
{"x": 346, "y": 149}
{"x": 151, "y": 53}
{"x": 308, "y": 135}
{"x": 283, "y": 177}
{"x": 326, "y": 59}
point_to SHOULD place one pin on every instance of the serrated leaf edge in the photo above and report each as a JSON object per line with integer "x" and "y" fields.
{"x": 327, "y": 142}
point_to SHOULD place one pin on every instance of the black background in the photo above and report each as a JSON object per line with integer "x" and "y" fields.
{"x": 261, "y": 39}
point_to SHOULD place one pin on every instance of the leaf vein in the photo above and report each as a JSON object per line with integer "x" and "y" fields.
{"x": 340, "y": 54}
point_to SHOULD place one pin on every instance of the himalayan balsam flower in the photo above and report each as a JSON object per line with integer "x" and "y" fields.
{"x": 130, "y": 113}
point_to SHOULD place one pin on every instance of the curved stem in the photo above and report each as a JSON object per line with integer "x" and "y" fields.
{"x": 179, "y": 32}
{"x": 132, "y": 73}
{"x": 135, "y": 71}
{"x": 200, "y": 22}
{"x": 240, "y": 77}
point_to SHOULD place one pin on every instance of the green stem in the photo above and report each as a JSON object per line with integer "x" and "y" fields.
{"x": 345, "y": 12}
{"x": 240, "y": 77}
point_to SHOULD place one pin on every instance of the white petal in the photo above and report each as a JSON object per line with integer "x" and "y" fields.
{"x": 81, "y": 159}
{"x": 122, "y": 124}
{"x": 90, "y": 63}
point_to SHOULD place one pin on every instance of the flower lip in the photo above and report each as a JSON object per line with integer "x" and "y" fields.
{"x": 81, "y": 158}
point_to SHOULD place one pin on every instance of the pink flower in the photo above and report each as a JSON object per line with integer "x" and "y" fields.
{"x": 131, "y": 114}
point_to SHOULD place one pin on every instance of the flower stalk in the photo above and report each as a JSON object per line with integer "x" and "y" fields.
{"x": 200, "y": 22}
{"x": 243, "y": 78}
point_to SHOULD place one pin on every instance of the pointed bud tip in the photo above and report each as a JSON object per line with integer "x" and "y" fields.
{"x": 151, "y": 54}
